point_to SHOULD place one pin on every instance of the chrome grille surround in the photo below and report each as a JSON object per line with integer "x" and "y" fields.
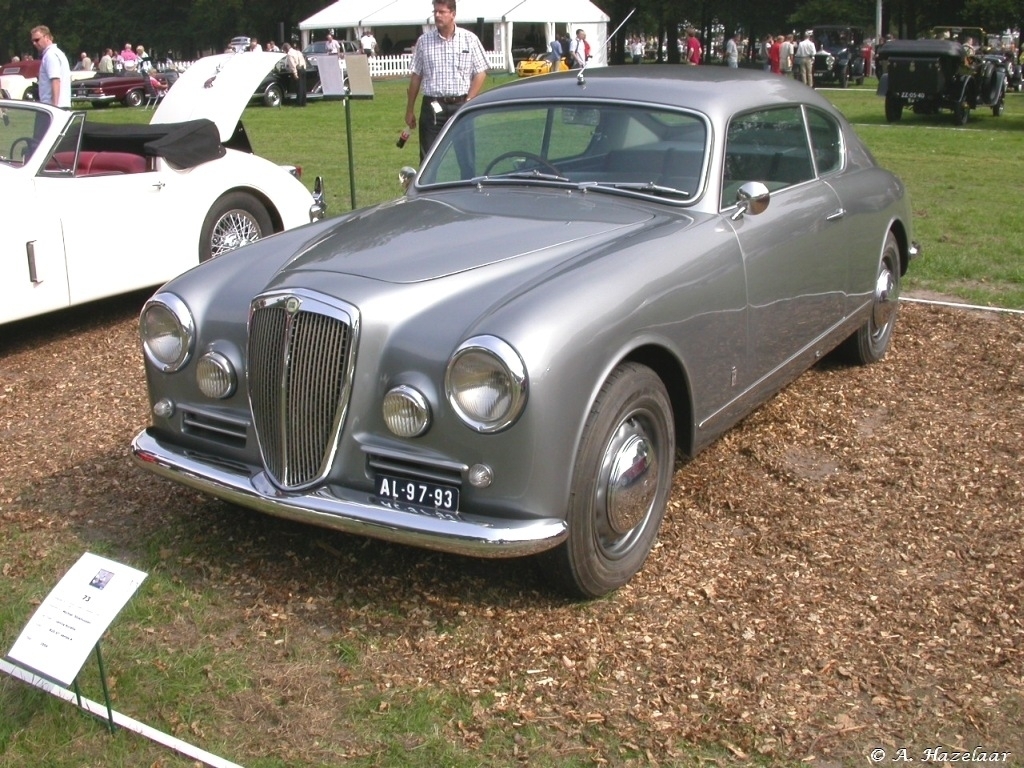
{"x": 300, "y": 365}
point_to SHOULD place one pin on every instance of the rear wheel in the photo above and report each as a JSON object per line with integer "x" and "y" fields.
{"x": 620, "y": 484}
{"x": 235, "y": 220}
{"x": 869, "y": 343}
{"x": 893, "y": 109}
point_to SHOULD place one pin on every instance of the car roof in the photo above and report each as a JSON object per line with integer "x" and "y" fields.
{"x": 718, "y": 92}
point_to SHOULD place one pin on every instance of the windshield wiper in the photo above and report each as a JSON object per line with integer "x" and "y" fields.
{"x": 641, "y": 186}
{"x": 532, "y": 174}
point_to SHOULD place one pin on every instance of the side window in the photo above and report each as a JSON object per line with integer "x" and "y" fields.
{"x": 826, "y": 142}
{"x": 769, "y": 146}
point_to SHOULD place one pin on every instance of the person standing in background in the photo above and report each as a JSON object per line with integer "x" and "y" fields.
{"x": 450, "y": 65}
{"x": 732, "y": 51}
{"x": 54, "y": 80}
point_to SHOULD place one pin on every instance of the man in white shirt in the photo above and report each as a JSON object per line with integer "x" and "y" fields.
{"x": 368, "y": 43}
{"x": 54, "y": 81}
{"x": 333, "y": 46}
{"x": 579, "y": 49}
{"x": 805, "y": 51}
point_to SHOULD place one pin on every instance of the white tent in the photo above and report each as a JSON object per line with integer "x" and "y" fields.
{"x": 503, "y": 14}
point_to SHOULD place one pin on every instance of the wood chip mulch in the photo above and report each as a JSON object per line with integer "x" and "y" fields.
{"x": 842, "y": 571}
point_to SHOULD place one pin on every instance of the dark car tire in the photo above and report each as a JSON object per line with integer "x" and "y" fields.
{"x": 844, "y": 77}
{"x": 133, "y": 98}
{"x": 620, "y": 484}
{"x": 273, "y": 96}
{"x": 893, "y": 109}
{"x": 997, "y": 109}
{"x": 235, "y": 220}
{"x": 31, "y": 93}
{"x": 869, "y": 343}
{"x": 961, "y": 114}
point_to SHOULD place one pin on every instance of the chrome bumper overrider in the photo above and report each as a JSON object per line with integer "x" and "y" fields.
{"x": 357, "y": 512}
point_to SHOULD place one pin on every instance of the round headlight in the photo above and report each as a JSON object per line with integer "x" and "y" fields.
{"x": 167, "y": 331}
{"x": 486, "y": 383}
{"x": 406, "y": 411}
{"x": 215, "y": 376}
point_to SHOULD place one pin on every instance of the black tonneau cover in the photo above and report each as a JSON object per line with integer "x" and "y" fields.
{"x": 183, "y": 145}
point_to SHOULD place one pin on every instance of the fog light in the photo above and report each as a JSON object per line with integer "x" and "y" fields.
{"x": 481, "y": 476}
{"x": 163, "y": 408}
{"x": 406, "y": 411}
{"x": 215, "y": 376}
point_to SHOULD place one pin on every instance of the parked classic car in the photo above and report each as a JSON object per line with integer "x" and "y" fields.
{"x": 590, "y": 271}
{"x": 840, "y": 56}
{"x": 128, "y": 88}
{"x": 94, "y": 210}
{"x": 18, "y": 79}
{"x": 933, "y": 75}
{"x": 539, "y": 64}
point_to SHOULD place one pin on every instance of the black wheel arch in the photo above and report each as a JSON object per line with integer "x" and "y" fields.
{"x": 673, "y": 375}
{"x": 275, "y": 215}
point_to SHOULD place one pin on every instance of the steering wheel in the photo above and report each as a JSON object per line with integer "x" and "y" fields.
{"x": 30, "y": 147}
{"x": 540, "y": 161}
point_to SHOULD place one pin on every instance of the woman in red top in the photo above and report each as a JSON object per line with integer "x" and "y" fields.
{"x": 775, "y": 55}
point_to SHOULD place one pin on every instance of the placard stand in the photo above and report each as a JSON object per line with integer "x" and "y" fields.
{"x": 69, "y": 623}
{"x": 359, "y": 86}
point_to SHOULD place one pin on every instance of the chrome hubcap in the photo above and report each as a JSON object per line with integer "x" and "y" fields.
{"x": 886, "y": 300}
{"x": 630, "y": 475}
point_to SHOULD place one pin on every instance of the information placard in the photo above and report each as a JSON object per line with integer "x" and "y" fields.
{"x": 70, "y": 621}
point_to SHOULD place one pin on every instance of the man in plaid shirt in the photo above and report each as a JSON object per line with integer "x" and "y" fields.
{"x": 449, "y": 64}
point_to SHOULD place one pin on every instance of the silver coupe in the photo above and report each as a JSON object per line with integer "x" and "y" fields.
{"x": 588, "y": 274}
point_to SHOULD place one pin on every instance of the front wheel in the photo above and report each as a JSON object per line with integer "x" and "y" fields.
{"x": 870, "y": 342}
{"x": 844, "y": 77}
{"x": 620, "y": 484}
{"x": 235, "y": 220}
{"x": 961, "y": 113}
{"x": 133, "y": 98}
{"x": 273, "y": 96}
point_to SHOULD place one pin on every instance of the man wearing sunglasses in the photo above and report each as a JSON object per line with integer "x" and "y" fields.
{"x": 54, "y": 71}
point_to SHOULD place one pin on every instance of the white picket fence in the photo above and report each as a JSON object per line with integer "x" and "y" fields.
{"x": 398, "y": 66}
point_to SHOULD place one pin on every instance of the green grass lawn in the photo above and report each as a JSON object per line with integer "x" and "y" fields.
{"x": 962, "y": 180}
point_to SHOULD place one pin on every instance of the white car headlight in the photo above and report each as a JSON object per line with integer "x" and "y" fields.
{"x": 168, "y": 332}
{"x": 486, "y": 383}
{"x": 215, "y": 376}
{"x": 406, "y": 411}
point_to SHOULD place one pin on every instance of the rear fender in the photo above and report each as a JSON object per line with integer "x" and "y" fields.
{"x": 883, "y": 85}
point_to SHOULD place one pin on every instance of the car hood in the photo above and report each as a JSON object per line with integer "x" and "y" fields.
{"x": 422, "y": 238}
{"x": 216, "y": 87}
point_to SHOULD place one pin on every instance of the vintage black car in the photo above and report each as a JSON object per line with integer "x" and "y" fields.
{"x": 840, "y": 56}
{"x": 933, "y": 75}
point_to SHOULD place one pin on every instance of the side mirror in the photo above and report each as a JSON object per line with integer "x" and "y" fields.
{"x": 406, "y": 177}
{"x": 753, "y": 198}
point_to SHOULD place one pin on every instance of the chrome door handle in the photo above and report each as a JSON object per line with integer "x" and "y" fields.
{"x": 838, "y": 213}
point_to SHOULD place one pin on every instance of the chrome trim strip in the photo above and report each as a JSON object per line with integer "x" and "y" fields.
{"x": 358, "y": 513}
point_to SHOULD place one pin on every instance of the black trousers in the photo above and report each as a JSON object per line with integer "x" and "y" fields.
{"x": 431, "y": 122}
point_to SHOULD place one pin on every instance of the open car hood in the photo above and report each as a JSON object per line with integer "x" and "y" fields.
{"x": 217, "y": 88}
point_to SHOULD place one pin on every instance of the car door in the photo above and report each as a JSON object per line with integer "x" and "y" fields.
{"x": 33, "y": 277}
{"x": 795, "y": 276}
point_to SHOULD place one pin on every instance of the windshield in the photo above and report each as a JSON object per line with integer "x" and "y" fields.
{"x": 623, "y": 147}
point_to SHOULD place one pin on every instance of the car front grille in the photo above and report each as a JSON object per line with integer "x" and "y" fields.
{"x": 300, "y": 373}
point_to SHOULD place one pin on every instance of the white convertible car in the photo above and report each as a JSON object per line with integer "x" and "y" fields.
{"x": 93, "y": 210}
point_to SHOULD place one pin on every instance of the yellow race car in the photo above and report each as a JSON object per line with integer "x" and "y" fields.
{"x": 539, "y": 64}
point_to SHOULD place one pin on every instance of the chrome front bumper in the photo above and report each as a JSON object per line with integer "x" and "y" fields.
{"x": 355, "y": 512}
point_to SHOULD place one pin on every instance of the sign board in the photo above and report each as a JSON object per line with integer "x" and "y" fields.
{"x": 360, "y": 84}
{"x": 71, "y": 620}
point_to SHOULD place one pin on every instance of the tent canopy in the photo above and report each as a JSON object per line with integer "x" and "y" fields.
{"x": 353, "y": 13}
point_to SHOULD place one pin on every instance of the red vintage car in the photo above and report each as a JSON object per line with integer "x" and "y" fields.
{"x": 129, "y": 88}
